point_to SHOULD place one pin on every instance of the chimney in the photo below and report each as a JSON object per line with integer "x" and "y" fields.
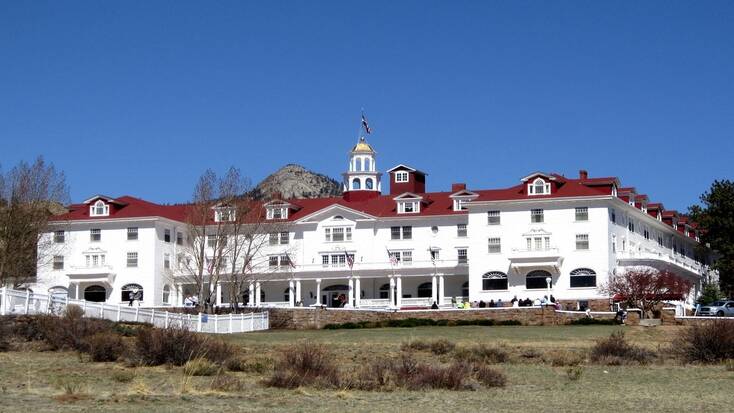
{"x": 458, "y": 187}
{"x": 583, "y": 174}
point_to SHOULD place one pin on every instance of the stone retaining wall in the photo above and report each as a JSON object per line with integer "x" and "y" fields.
{"x": 316, "y": 318}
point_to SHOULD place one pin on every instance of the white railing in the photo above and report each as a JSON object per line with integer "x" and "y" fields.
{"x": 648, "y": 254}
{"x": 15, "y": 302}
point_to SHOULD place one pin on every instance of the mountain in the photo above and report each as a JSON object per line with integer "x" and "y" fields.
{"x": 295, "y": 181}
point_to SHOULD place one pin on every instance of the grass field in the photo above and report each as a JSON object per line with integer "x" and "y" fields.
{"x": 37, "y": 381}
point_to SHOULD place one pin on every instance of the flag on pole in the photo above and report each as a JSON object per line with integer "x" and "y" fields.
{"x": 290, "y": 261}
{"x": 350, "y": 260}
{"x": 366, "y": 125}
{"x": 433, "y": 256}
{"x": 392, "y": 257}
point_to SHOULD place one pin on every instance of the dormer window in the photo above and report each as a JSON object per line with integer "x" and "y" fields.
{"x": 459, "y": 205}
{"x": 277, "y": 213}
{"x": 408, "y": 207}
{"x": 539, "y": 187}
{"x": 99, "y": 209}
{"x": 401, "y": 176}
{"x": 224, "y": 215}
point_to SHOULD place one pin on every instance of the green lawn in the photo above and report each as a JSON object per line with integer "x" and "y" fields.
{"x": 32, "y": 381}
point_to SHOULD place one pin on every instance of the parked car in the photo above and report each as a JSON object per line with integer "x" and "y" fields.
{"x": 718, "y": 308}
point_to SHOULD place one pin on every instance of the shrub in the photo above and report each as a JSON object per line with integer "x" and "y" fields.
{"x": 375, "y": 375}
{"x": 123, "y": 376}
{"x": 530, "y": 353}
{"x": 573, "y": 373}
{"x": 104, "y": 346}
{"x": 442, "y": 346}
{"x": 616, "y": 350}
{"x": 566, "y": 358}
{"x": 247, "y": 365}
{"x": 455, "y": 376}
{"x": 302, "y": 365}
{"x": 491, "y": 377}
{"x": 415, "y": 345}
{"x": 481, "y": 353}
{"x": 175, "y": 345}
{"x": 200, "y": 367}
{"x": 711, "y": 342}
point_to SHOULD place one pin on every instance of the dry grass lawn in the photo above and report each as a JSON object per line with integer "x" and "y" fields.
{"x": 62, "y": 381}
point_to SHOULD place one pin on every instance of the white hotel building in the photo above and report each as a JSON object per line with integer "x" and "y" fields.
{"x": 549, "y": 234}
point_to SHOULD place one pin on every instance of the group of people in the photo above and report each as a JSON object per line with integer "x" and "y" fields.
{"x": 536, "y": 303}
{"x": 515, "y": 302}
{"x": 191, "y": 301}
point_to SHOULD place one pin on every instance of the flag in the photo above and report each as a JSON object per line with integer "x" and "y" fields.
{"x": 350, "y": 260}
{"x": 433, "y": 256}
{"x": 366, "y": 125}
{"x": 290, "y": 261}
{"x": 393, "y": 259}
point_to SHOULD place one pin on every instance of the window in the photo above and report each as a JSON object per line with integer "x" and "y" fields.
{"x": 325, "y": 260}
{"x": 394, "y": 257}
{"x": 631, "y": 225}
{"x": 166, "y": 294}
{"x": 368, "y": 183}
{"x": 134, "y": 290}
{"x": 385, "y": 291}
{"x": 224, "y": 214}
{"x": 536, "y": 216}
{"x": 179, "y": 238}
{"x": 494, "y": 280}
{"x": 459, "y": 205}
{"x": 356, "y": 184}
{"x": 132, "y": 259}
{"x": 408, "y": 207}
{"x": 95, "y": 234}
{"x": 58, "y": 262}
{"x": 435, "y": 256}
{"x": 273, "y": 261}
{"x": 582, "y": 214}
{"x": 211, "y": 241}
{"x": 284, "y": 238}
{"x": 367, "y": 164}
{"x": 99, "y": 209}
{"x": 167, "y": 235}
{"x": 358, "y": 164}
{"x": 58, "y": 237}
{"x": 401, "y": 176}
{"x": 277, "y": 213}
{"x": 407, "y": 257}
{"x": 273, "y": 238}
{"x": 539, "y": 187}
{"x": 613, "y": 216}
{"x": 461, "y": 230}
{"x": 132, "y": 233}
{"x": 494, "y": 246}
{"x": 285, "y": 261}
{"x": 646, "y": 233}
{"x": 582, "y": 241}
{"x": 462, "y": 256}
{"x": 493, "y": 217}
{"x": 535, "y": 280}
{"x": 425, "y": 290}
{"x": 583, "y": 277}
{"x": 337, "y": 234}
{"x": 167, "y": 261}
{"x": 407, "y": 232}
{"x": 327, "y": 234}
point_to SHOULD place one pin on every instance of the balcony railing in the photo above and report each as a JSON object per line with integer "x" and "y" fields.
{"x": 534, "y": 253}
{"x": 675, "y": 259}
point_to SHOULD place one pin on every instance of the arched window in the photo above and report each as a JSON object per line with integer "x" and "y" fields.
{"x": 494, "y": 280}
{"x": 100, "y": 208}
{"x": 358, "y": 164}
{"x": 535, "y": 280}
{"x": 583, "y": 277}
{"x": 58, "y": 293}
{"x": 128, "y": 289}
{"x": 539, "y": 187}
{"x": 368, "y": 183}
{"x": 166, "y": 294}
{"x": 385, "y": 291}
{"x": 95, "y": 293}
{"x": 356, "y": 184}
{"x": 367, "y": 164}
{"x": 425, "y": 290}
{"x": 465, "y": 289}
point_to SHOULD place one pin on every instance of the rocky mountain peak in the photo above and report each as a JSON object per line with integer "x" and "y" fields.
{"x": 295, "y": 181}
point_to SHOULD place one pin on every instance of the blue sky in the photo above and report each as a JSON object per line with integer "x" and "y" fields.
{"x": 141, "y": 97}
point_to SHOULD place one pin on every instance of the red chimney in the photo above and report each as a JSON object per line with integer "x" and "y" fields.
{"x": 583, "y": 174}
{"x": 458, "y": 187}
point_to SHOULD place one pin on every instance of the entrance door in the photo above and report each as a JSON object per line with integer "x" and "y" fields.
{"x": 332, "y": 293}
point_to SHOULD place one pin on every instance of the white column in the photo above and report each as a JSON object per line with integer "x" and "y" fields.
{"x": 257, "y": 294}
{"x": 318, "y": 291}
{"x": 291, "y": 294}
{"x": 391, "y": 295}
{"x": 77, "y": 292}
{"x": 351, "y": 293}
{"x": 441, "y": 292}
{"x": 358, "y": 289}
{"x": 299, "y": 299}
{"x": 434, "y": 290}
{"x": 218, "y": 294}
{"x": 251, "y": 302}
{"x": 399, "y": 292}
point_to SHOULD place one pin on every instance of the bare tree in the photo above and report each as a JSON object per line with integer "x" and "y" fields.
{"x": 226, "y": 232}
{"x": 646, "y": 288}
{"x": 29, "y": 195}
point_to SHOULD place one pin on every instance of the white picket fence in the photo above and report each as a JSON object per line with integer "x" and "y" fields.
{"x": 26, "y": 302}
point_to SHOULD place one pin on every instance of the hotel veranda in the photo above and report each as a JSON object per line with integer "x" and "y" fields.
{"x": 549, "y": 234}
